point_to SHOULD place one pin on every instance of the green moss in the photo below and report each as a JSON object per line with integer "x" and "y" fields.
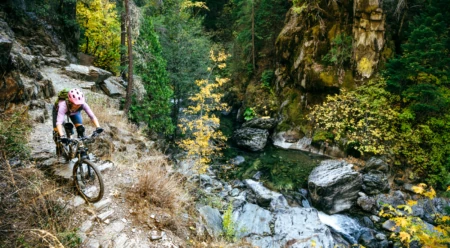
{"x": 334, "y": 31}
{"x": 370, "y": 8}
{"x": 328, "y": 78}
{"x": 387, "y": 52}
{"x": 283, "y": 126}
{"x": 349, "y": 82}
{"x": 320, "y": 136}
{"x": 315, "y": 31}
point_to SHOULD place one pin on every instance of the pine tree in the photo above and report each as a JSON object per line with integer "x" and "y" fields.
{"x": 154, "y": 109}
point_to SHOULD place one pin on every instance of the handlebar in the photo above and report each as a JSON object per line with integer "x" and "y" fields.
{"x": 84, "y": 138}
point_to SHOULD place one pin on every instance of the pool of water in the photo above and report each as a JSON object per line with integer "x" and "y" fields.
{"x": 279, "y": 169}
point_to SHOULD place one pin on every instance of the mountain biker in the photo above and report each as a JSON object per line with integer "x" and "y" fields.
{"x": 71, "y": 105}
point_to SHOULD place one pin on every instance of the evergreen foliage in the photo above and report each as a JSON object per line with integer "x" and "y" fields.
{"x": 155, "y": 108}
{"x": 100, "y": 32}
{"x": 268, "y": 17}
{"x": 185, "y": 47}
{"x": 423, "y": 70}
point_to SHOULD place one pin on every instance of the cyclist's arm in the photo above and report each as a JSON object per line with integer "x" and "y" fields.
{"x": 91, "y": 115}
{"x": 62, "y": 110}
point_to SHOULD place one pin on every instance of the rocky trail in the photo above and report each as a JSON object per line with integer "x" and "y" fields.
{"x": 110, "y": 222}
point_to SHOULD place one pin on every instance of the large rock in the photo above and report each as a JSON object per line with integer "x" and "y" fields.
{"x": 112, "y": 87}
{"x": 368, "y": 35}
{"x": 376, "y": 163}
{"x": 261, "y": 123}
{"x": 299, "y": 228}
{"x": 290, "y": 227}
{"x": 213, "y": 220}
{"x": 375, "y": 182}
{"x": 266, "y": 197}
{"x": 251, "y": 219}
{"x": 334, "y": 186}
{"x": 11, "y": 86}
{"x": 86, "y": 73}
{"x": 252, "y": 139}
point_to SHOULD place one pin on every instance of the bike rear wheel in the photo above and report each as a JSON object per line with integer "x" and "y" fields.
{"x": 88, "y": 180}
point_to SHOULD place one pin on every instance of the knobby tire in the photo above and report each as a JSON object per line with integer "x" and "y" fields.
{"x": 90, "y": 165}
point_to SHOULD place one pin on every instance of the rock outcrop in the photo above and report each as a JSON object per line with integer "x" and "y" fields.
{"x": 252, "y": 139}
{"x": 86, "y": 73}
{"x": 261, "y": 123}
{"x": 334, "y": 186}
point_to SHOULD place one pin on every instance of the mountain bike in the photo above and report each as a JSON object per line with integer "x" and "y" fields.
{"x": 88, "y": 179}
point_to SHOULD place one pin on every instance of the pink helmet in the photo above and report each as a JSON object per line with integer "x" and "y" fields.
{"x": 76, "y": 96}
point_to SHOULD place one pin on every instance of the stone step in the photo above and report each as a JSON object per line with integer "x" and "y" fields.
{"x": 103, "y": 216}
{"x": 120, "y": 241}
{"x": 102, "y": 204}
{"x": 106, "y": 166}
{"x": 86, "y": 226}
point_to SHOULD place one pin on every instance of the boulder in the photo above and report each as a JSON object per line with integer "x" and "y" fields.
{"x": 11, "y": 86}
{"x": 368, "y": 239}
{"x": 366, "y": 203}
{"x": 213, "y": 220}
{"x": 261, "y": 123}
{"x": 112, "y": 88}
{"x": 86, "y": 73}
{"x": 298, "y": 227}
{"x": 334, "y": 186}
{"x": 251, "y": 219}
{"x": 375, "y": 182}
{"x": 266, "y": 197}
{"x": 237, "y": 160}
{"x": 393, "y": 198}
{"x": 252, "y": 139}
{"x": 376, "y": 163}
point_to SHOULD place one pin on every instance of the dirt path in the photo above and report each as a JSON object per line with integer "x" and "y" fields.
{"x": 108, "y": 223}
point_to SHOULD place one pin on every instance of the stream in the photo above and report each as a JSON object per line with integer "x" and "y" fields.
{"x": 284, "y": 171}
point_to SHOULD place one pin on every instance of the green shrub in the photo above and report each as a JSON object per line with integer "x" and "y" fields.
{"x": 229, "y": 231}
{"x": 340, "y": 52}
{"x": 266, "y": 78}
{"x": 249, "y": 114}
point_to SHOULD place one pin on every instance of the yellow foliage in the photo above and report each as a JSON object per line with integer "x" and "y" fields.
{"x": 413, "y": 228}
{"x": 202, "y": 139}
{"x": 404, "y": 237}
{"x": 421, "y": 190}
{"x": 365, "y": 67}
{"x": 101, "y": 32}
{"x": 190, "y": 4}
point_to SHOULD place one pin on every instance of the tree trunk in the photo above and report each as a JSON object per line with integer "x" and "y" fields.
{"x": 123, "y": 58}
{"x": 253, "y": 34}
{"x": 130, "y": 61}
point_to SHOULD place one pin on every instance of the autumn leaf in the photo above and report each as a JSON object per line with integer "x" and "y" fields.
{"x": 404, "y": 236}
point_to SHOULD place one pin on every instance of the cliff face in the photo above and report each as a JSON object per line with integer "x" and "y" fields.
{"x": 27, "y": 44}
{"x": 324, "y": 46}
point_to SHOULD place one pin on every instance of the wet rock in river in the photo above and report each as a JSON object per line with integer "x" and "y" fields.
{"x": 334, "y": 186}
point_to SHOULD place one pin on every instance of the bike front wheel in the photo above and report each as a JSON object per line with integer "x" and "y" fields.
{"x": 88, "y": 180}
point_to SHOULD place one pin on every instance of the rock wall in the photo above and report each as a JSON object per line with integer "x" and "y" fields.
{"x": 305, "y": 74}
{"x": 26, "y": 46}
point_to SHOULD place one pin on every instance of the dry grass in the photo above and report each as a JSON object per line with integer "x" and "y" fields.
{"x": 106, "y": 111}
{"x": 159, "y": 188}
{"x": 31, "y": 214}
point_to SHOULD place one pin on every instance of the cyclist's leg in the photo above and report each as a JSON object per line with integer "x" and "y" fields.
{"x": 55, "y": 131}
{"x": 78, "y": 121}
